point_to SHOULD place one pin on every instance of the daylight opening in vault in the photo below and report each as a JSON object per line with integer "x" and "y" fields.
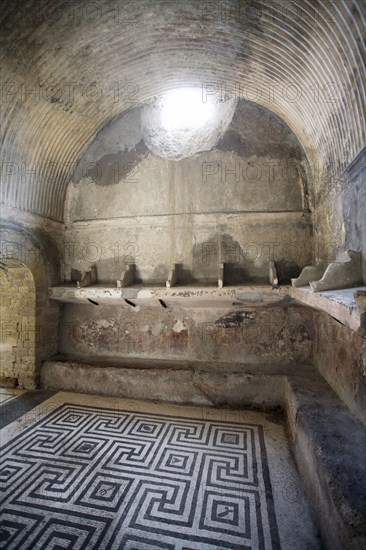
{"x": 185, "y": 121}
{"x": 184, "y": 108}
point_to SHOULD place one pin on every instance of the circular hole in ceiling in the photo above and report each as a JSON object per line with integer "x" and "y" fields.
{"x": 186, "y": 121}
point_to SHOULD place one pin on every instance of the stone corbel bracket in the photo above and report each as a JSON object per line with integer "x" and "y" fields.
{"x": 88, "y": 278}
{"x": 341, "y": 274}
{"x": 172, "y": 276}
{"x": 273, "y": 277}
{"x": 127, "y": 276}
{"x": 220, "y": 276}
{"x": 309, "y": 273}
{"x": 336, "y": 275}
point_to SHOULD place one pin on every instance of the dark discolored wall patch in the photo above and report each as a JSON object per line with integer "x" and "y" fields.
{"x": 235, "y": 318}
{"x": 232, "y": 141}
{"x": 248, "y": 133}
{"x": 75, "y": 275}
{"x": 113, "y": 168}
{"x": 246, "y": 147}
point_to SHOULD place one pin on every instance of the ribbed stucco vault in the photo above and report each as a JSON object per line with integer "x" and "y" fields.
{"x": 68, "y": 68}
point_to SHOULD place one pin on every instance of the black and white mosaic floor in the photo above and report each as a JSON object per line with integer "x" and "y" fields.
{"x": 81, "y": 472}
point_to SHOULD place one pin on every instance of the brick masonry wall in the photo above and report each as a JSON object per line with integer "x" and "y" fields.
{"x": 30, "y": 326}
{"x": 18, "y": 324}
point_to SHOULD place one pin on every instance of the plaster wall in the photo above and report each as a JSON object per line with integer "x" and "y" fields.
{"x": 257, "y": 335}
{"x": 340, "y": 356}
{"x": 340, "y": 207}
{"x": 246, "y": 202}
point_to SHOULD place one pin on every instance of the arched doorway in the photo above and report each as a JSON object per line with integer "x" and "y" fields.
{"x": 18, "y": 324}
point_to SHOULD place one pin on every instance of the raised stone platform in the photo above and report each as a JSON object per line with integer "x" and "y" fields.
{"x": 188, "y": 382}
{"x": 329, "y": 446}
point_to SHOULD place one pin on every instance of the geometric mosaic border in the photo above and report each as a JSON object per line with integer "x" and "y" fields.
{"x": 97, "y": 478}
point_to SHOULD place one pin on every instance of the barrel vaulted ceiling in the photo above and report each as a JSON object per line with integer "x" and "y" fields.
{"x": 69, "y": 67}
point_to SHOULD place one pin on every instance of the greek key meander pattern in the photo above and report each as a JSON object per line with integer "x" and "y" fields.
{"x": 92, "y": 478}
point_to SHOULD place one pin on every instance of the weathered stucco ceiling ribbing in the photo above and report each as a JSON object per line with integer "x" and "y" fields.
{"x": 68, "y": 68}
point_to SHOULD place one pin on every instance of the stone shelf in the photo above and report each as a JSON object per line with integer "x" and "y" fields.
{"x": 182, "y": 296}
{"x": 340, "y": 304}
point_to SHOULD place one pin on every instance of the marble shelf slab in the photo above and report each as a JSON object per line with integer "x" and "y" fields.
{"x": 340, "y": 304}
{"x": 183, "y": 296}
